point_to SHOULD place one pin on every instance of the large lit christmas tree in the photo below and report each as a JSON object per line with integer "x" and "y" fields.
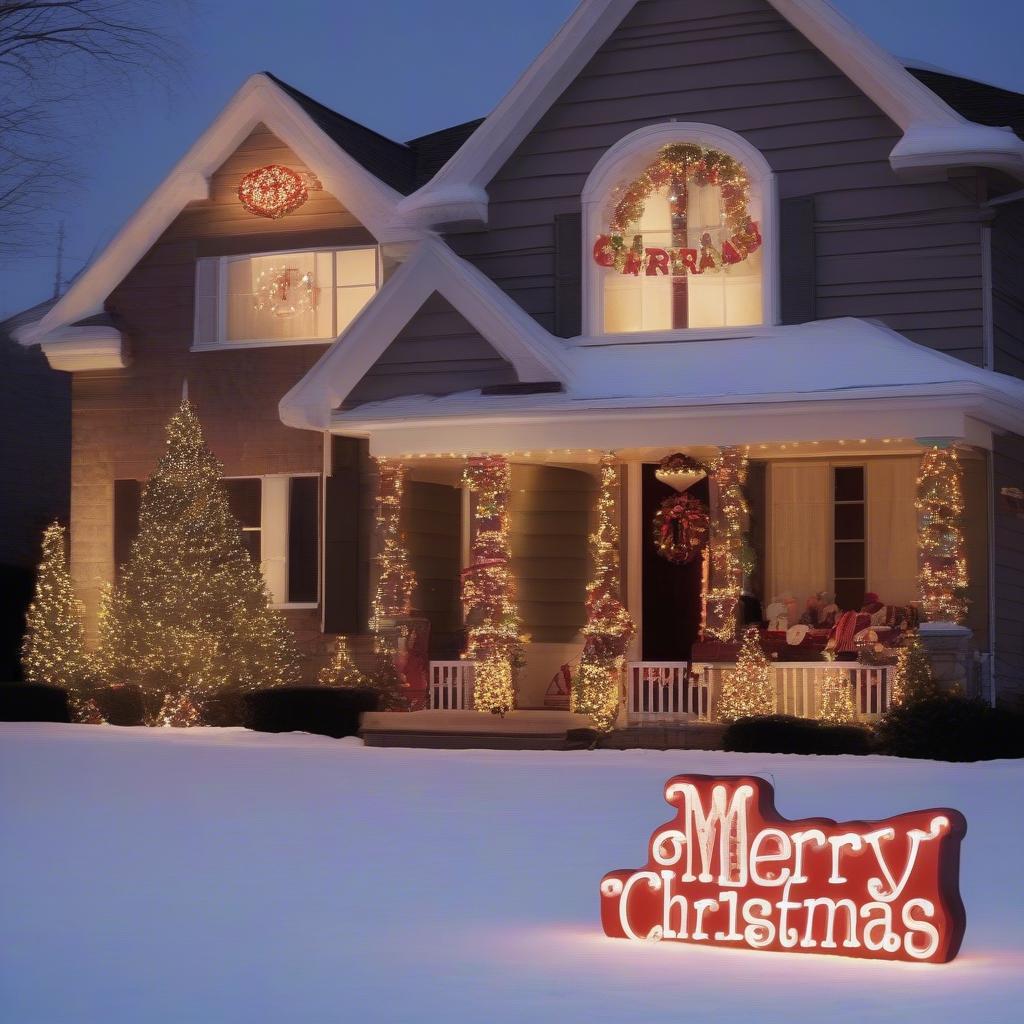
{"x": 609, "y": 628}
{"x": 190, "y": 614}
{"x": 748, "y": 689}
{"x": 54, "y": 650}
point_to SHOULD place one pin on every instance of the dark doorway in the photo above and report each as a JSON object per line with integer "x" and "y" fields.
{"x": 671, "y": 593}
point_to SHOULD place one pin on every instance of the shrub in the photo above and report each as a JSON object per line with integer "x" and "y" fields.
{"x": 224, "y": 709}
{"x": 329, "y": 711}
{"x": 33, "y": 702}
{"x": 952, "y": 728}
{"x": 783, "y": 734}
{"x": 121, "y": 704}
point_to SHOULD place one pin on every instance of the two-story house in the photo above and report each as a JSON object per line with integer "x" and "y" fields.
{"x": 737, "y": 226}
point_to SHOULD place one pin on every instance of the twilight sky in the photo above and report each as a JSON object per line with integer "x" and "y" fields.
{"x": 403, "y": 67}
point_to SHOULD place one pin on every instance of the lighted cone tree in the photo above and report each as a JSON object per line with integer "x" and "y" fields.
{"x": 836, "y": 704}
{"x": 609, "y": 628}
{"x": 190, "y": 614}
{"x": 726, "y": 545}
{"x": 53, "y": 650}
{"x": 748, "y": 690}
{"x": 342, "y": 669}
{"x": 943, "y": 563}
{"x": 912, "y": 676}
{"x": 493, "y": 638}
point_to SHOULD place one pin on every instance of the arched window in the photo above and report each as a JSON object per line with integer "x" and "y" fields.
{"x": 679, "y": 233}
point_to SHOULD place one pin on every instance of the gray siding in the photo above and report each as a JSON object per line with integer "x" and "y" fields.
{"x": 1008, "y": 288}
{"x": 1008, "y": 471}
{"x": 908, "y": 254}
{"x": 437, "y": 353}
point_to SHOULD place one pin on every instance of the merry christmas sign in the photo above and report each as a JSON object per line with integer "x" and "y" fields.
{"x": 728, "y": 870}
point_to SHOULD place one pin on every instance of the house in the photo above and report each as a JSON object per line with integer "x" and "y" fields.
{"x": 729, "y": 231}
{"x": 35, "y": 473}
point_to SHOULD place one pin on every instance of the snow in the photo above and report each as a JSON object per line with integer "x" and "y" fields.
{"x": 218, "y": 875}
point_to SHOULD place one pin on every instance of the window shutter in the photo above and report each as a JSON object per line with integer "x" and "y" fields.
{"x": 207, "y": 293}
{"x": 797, "y": 260}
{"x": 343, "y": 551}
{"x": 127, "y": 499}
{"x": 568, "y": 274}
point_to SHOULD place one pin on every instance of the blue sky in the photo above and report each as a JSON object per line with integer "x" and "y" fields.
{"x": 403, "y": 68}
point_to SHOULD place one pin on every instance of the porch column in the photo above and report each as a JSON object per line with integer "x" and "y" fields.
{"x": 493, "y": 637}
{"x": 728, "y": 522}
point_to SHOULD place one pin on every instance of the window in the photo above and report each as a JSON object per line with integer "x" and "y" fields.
{"x": 848, "y": 536}
{"x": 305, "y": 296}
{"x": 676, "y": 221}
{"x": 280, "y": 520}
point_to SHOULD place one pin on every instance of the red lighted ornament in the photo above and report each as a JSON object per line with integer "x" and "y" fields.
{"x": 728, "y": 870}
{"x": 272, "y": 191}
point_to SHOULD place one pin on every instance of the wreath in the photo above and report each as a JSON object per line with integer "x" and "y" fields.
{"x": 680, "y": 529}
{"x": 679, "y": 165}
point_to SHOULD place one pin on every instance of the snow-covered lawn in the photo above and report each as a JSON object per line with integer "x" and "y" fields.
{"x": 212, "y": 876}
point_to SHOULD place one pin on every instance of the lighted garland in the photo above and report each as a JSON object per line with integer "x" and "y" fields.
{"x": 395, "y": 579}
{"x": 272, "y": 191}
{"x": 609, "y": 628}
{"x": 678, "y": 166}
{"x": 942, "y": 576}
{"x": 728, "y": 550}
{"x": 493, "y": 638}
{"x": 680, "y": 529}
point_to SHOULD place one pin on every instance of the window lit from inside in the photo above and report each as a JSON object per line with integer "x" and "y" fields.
{"x": 299, "y": 296}
{"x": 680, "y": 261}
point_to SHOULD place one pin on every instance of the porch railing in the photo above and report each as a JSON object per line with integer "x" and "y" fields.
{"x": 798, "y": 687}
{"x": 451, "y": 685}
{"x": 664, "y": 691}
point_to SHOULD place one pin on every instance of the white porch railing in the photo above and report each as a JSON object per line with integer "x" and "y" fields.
{"x": 798, "y": 687}
{"x": 451, "y": 685}
{"x": 663, "y": 691}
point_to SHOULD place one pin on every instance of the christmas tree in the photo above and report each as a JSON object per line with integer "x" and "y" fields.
{"x": 748, "y": 690}
{"x": 912, "y": 678}
{"x": 342, "y": 670}
{"x": 609, "y": 628}
{"x": 53, "y": 650}
{"x": 836, "y": 704}
{"x": 190, "y": 614}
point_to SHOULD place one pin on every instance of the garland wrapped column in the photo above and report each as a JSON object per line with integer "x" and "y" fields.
{"x": 728, "y": 519}
{"x": 488, "y": 588}
{"x": 609, "y": 628}
{"x": 942, "y": 575}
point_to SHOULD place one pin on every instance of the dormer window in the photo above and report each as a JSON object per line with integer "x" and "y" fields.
{"x": 299, "y": 297}
{"x": 679, "y": 234}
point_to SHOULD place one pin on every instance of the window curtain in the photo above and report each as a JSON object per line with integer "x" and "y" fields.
{"x": 799, "y": 530}
{"x": 890, "y": 486}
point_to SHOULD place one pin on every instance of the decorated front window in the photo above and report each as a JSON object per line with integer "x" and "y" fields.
{"x": 298, "y": 296}
{"x": 679, "y": 244}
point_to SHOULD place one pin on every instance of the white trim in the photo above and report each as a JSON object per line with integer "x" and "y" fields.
{"x": 934, "y": 134}
{"x": 95, "y": 347}
{"x": 259, "y": 100}
{"x": 606, "y": 176}
{"x": 535, "y": 354}
{"x": 222, "y": 346}
{"x": 635, "y": 530}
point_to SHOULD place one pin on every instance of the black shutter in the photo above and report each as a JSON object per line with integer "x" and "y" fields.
{"x": 797, "y": 259}
{"x": 303, "y": 517}
{"x": 568, "y": 274}
{"x": 127, "y": 498}
{"x": 342, "y": 549}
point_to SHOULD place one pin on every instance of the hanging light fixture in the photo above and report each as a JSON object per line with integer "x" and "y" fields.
{"x": 680, "y": 471}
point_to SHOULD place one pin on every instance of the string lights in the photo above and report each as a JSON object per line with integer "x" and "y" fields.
{"x": 493, "y": 637}
{"x": 727, "y": 547}
{"x": 836, "y": 706}
{"x": 341, "y": 671}
{"x": 912, "y": 676}
{"x": 609, "y": 628}
{"x": 272, "y": 191}
{"x": 942, "y": 576}
{"x": 748, "y": 690}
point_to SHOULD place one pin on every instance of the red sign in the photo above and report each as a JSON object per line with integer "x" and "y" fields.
{"x": 728, "y": 870}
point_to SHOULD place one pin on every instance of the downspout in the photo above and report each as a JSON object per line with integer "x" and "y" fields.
{"x": 990, "y": 474}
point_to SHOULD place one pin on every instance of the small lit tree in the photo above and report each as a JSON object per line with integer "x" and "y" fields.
{"x": 912, "y": 677}
{"x": 190, "y": 614}
{"x": 748, "y": 690}
{"x": 342, "y": 669}
{"x": 836, "y": 704}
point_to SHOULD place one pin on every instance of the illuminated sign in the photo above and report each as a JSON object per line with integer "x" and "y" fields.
{"x": 728, "y": 870}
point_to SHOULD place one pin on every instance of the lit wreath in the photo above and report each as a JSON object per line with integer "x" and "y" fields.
{"x": 680, "y": 529}
{"x": 272, "y": 191}
{"x": 284, "y": 292}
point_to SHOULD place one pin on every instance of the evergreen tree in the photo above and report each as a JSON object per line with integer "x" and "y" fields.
{"x": 53, "y": 650}
{"x": 912, "y": 678}
{"x": 342, "y": 670}
{"x": 190, "y": 614}
{"x": 836, "y": 702}
{"x": 748, "y": 690}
